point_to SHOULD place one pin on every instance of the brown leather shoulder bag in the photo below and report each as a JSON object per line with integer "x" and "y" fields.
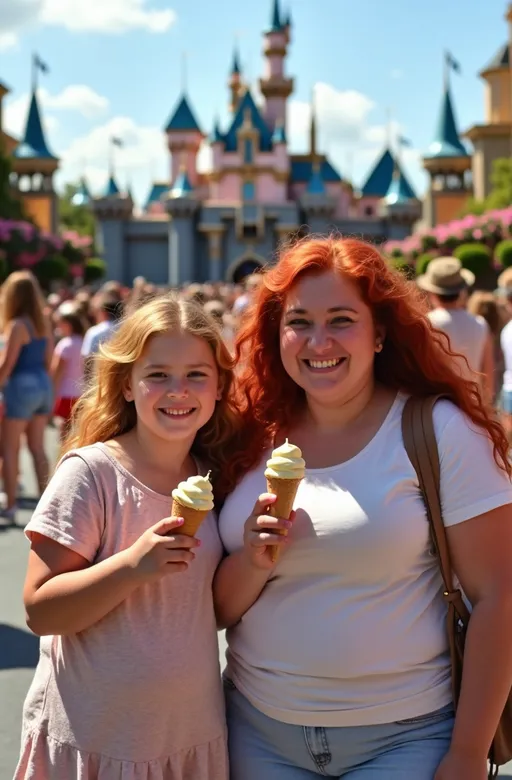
{"x": 421, "y": 447}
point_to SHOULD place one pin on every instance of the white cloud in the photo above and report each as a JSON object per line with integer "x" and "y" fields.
{"x": 142, "y": 159}
{"x": 8, "y": 40}
{"x": 80, "y": 98}
{"x": 103, "y": 16}
{"x": 76, "y": 97}
{"x": 346, "y": 133}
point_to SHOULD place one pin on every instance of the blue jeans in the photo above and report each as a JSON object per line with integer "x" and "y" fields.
{"x": 261, "y": 748}
{"x": 26, "y": 394}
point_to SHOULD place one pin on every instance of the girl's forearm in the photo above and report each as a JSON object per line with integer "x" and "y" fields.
{"x": 76, "y": 600}
{"x": 487, "y": 677}
{"x": 236, "y": 587}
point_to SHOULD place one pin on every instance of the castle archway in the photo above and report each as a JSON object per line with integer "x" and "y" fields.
{"x": 249, "y": 263}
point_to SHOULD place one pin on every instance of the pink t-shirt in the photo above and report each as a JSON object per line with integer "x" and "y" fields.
{"x": 71, "y": 384}
{"x": 138, "y": 694}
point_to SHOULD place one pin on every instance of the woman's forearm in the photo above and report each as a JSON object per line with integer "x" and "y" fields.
{"x": 487, "y": 677}
{"x": 76, "y": 600}
{"x": 236, "y": 587}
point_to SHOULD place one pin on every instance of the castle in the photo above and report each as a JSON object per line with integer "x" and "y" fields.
{"x": 226, "y": 223}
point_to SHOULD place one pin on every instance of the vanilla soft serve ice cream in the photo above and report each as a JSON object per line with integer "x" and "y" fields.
{"x": 192, "y": 500}
{"x": 285, "y": 469}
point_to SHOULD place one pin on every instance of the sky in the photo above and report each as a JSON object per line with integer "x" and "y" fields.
{"x": 118, "y": 67}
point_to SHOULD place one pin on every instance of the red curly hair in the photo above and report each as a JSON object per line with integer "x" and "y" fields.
{"x": 412, "y": 359}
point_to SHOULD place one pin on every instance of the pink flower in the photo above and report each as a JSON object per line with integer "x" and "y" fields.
{"x": 478, "y": 234}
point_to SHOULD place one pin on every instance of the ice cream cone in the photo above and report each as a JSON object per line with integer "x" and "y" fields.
{"x": 285, "y": 490}
{"x": 192, "y": 517}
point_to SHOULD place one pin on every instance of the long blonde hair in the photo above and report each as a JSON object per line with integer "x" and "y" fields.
{"x": 103, "y": 413}
{"x": 22, "y": 297}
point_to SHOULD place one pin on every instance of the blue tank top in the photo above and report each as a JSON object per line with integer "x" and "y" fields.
{"x": 32, "y": 357}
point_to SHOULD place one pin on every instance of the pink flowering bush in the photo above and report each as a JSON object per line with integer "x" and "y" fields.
{"x": 50, "y": 257}
{"x": 488, "y": 229}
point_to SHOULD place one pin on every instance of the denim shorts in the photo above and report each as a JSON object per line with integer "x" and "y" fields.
{"x": 26, "y": 394}
{"x": 506, "y": 401}
{"x": 261, "y": 747}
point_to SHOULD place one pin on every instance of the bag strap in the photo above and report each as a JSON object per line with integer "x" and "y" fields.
{"x": 421, "y": 446}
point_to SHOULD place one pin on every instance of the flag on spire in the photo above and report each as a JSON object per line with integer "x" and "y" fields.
{"x": 452, "y": 63}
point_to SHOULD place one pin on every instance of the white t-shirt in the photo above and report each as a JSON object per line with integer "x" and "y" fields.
{"x": 506, "y": 348}
{"x": 350, "y": 628}
{"x": 467, "y": 334}
{"x": 96, "y": 336}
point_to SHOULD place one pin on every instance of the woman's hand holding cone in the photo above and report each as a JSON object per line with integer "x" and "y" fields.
{"x": 263, "y": 533}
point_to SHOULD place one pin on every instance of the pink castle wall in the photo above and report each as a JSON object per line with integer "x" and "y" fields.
{"x": 335, "y": 190}
{"x": 363, "y": 204}
{"x": 268, "y": 190}
{"x": 229, "y": 188}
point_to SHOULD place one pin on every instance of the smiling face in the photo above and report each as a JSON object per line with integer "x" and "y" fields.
{"x": 328, "y": 338}
{"x": 174, "y": 385}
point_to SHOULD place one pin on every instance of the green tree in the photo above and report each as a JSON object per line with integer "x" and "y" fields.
{"x": 500, "y": 195}
{"x": 75, "y": 217}
{"x": 10, "y": 206}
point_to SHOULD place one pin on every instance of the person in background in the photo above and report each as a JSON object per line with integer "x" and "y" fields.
{"x": 67, "y": 368}
{"x": 505, "y": 298}
{"x": 107, "y": 310}
{"x": 484, "y": 304}
{"x": 446, "y": 284}
{"x": 27, "y": 387}
{"x": 252, "y": 285}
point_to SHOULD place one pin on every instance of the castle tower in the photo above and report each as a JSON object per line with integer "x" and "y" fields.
{"x": 235, "y": 83}
{"x": 8, "y": 143}
{"x": 399, "y": 206}
{"x": 33, "y": 167}
{"x": 447, "y": 163}
{"x": 274, "y": 85}
{"x": 493, "y": 139}
{"x": 184, "y": 138}
{"x": 112, "y": 211}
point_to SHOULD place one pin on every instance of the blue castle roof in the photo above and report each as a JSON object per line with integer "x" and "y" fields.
{"x": 112, "y": 189}
{"x": 247, "y": 103}
{"x": 302, "y": 171}
{"x": 399, "y": 191}
{"x": 446, "y": 142}
{"x": 157, "y": 190}
{"x": 379, "y": 181}
{"x": 34, "y": 142}
{"x": 82, "y": 196}
{"x": 182, "y": 186}
{"x": 182, "y": 118}
{"x": 276, "y": 23}
{"x": 216, "y": 134}
{"x": 316, "y": 184}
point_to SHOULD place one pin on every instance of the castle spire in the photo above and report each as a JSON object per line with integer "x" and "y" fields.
{"x": 236, "y": 68}
{"x": 313, "y": 128}
{"x": 34, "y": 142}
{"x": 446, "y": 141}
{"x": 276, "y": 24}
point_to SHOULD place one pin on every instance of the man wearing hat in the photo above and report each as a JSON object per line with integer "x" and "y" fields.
{"x": 447, "y": 283}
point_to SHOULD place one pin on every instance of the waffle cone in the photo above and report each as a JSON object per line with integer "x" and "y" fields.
{"x": 192, "y": 517}
{"x": 285, "y": 490}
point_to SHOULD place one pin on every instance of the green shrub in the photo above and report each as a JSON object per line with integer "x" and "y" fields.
{"x": 94, "y": 270}
{"x": 397, "y": 253}
{"x": 450, "y": 243}
{"x": 51, "y": 269}
{"x": 422, "y": 263}
{"x": 4, "y": 268}
{"x": 428, "y": 241}
{"x": 401, "y": 264}
{"x": 504, "y": 253}
{"x": 475, "y": 257}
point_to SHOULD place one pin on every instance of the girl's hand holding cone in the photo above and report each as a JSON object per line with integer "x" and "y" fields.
{"x": 161, "y": 550}
{"x": 263, "y": 533}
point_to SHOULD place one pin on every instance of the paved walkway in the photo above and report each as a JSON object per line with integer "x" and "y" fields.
{"x": 19, "y": 649}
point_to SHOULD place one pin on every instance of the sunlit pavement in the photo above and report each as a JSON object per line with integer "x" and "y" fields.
{"x": 18, "y": 647}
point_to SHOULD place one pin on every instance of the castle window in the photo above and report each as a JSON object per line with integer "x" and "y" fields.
{"x": 368, "y": 211}
{"x": 248, "y": 151}
{"x": 248, "y": 191}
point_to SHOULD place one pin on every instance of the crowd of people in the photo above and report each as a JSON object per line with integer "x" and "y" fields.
{"x": 338, "y": 659}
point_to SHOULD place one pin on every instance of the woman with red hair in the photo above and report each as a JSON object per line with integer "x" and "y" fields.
{"x": 338, "y": 658}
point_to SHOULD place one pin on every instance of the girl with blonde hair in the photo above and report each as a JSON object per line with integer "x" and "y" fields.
{"x": 128, "y": 681}
{"x": 27, "y": 387}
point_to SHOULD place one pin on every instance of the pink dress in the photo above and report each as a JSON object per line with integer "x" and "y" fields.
{"x": 138, "y": 695}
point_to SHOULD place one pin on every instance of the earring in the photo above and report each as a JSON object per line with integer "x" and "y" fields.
{"x": 378, "y": 346}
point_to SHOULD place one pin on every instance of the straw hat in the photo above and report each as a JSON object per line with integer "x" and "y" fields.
{"x": 445, "y": 276}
